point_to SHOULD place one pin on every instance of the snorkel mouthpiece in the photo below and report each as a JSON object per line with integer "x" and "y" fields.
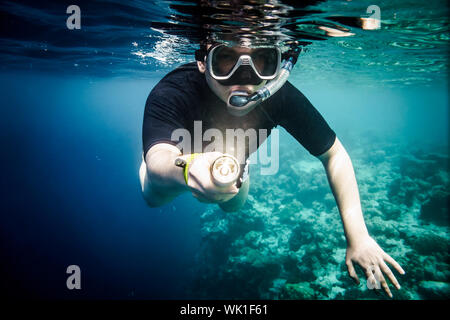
{"x": 237, "y": 100}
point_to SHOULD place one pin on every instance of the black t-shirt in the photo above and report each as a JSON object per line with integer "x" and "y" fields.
{"x": 183, "y": 96}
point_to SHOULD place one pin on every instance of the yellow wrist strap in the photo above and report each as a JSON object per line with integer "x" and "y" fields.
{"x": 188, "y": 162}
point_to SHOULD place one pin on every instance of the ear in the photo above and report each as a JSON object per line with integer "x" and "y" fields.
{"x": 201, "y": 66}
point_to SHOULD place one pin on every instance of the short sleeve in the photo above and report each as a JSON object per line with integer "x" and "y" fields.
{"x": 299, "y": 117}
{"x": 163, "y": 114}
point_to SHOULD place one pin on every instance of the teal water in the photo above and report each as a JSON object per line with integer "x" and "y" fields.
{"x": 71, "y": 116}
{"x": 288, "y": 242}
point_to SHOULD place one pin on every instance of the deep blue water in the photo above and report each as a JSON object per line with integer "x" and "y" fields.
{"x": 71, "y": 153}
{"x": 70, "y": 129}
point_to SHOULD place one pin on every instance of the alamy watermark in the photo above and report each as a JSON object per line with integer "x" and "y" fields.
{"x": 74, "y": 20}
{"x": 234, "y": 142}
{"x": 373, "y": 282}
{"x": 372, "y": 22}
{"x": 74, "y": 280}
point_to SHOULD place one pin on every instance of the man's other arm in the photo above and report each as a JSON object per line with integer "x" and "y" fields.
{"x": 361, "y": 248}
{"x": 341, "y": 177}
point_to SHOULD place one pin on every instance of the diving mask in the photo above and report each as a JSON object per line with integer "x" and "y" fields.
{"x": 230, "y": 66}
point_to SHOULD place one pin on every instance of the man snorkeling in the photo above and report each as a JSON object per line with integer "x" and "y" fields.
{"x": 243, "y": 87}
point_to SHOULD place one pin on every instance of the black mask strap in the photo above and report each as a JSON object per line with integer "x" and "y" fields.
{"x": 200, "y": 55}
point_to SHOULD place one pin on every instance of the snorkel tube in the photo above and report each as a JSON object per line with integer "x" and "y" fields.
{"x": 239, "y": 102}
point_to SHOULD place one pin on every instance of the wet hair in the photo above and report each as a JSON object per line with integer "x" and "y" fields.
{"x": 200, "y": 54}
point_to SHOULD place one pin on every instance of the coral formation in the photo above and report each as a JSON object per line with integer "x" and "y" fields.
{"x": 288, "y": 241}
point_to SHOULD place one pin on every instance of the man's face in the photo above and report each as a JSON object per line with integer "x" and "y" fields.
{"x": 222, "y": 91}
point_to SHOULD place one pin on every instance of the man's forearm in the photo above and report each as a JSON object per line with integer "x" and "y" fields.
{"x": 162, "y": 180}
{"x": 341, "y": 178}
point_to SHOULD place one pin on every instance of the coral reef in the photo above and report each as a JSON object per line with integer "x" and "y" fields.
{"x": 288, "y": 241}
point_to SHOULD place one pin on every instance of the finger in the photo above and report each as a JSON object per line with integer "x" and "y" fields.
{"x": 222, "y": 200}
{"x": 234, "y": 189}
{"x": 213, "y": 197}
{"x": 221, "y": 194}
{"x": 370, "y": 276}
{"x": 200, "y": 197}
{"x": 351, "y": 271}
{"x": 380, "y": 277}
{"x": 229, "y": 191}
{"x": 388, "y": 272}
{"x": 193, "y": 180}
{"x": 394, "y": 263}
{"x": 213, "y": 156}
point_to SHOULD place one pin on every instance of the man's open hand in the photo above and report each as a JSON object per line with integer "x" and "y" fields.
{"x": 368, "y": 254}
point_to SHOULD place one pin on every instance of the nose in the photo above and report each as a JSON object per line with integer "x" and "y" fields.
{"x": 243, "y": 76}
{"x": 246, "y": 75}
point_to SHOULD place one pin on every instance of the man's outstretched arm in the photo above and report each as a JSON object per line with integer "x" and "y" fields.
{"x": 161, "y": 180}
{"x": 361, "y": 248}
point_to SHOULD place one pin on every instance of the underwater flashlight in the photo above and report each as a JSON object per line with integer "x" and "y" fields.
{"x": 225, "y": 170}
